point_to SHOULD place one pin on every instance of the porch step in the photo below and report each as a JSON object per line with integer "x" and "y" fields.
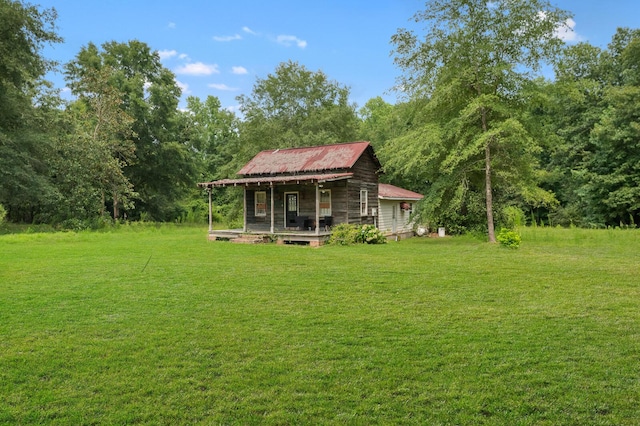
{"x": 251, "y": 239}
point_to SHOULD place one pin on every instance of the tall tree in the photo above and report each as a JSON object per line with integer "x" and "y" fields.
{"x": 474, "y": 59}
{"x": 212, "y": 133}
{"x": 107, "y": 132}
{"x": 163, "y": 170}
{"x": 296, "y": 107}
{"x": 592, "y": 115}
{"x": 24, "y": 183}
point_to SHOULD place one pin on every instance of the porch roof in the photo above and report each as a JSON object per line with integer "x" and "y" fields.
{"x": 392, "y": 192}
{"x": 274, "y": 180}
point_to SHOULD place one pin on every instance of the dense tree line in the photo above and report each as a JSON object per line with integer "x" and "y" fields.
{"x": 478, "y": 131}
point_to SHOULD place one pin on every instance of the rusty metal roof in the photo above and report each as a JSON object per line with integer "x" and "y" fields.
{"x": 391, "y": 192}
{"x": 305, "y": 160}
{"x": 325, "y": 177}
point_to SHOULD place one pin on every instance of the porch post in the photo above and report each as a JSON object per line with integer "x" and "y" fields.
{"x": 317, "y": 208}
{"x": 210, "y": 211}
{"x": 244, "y": 209}
{"x": 272, "y": 205}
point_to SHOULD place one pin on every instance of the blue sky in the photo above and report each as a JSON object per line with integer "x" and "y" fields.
{"x": 220, "y": 48}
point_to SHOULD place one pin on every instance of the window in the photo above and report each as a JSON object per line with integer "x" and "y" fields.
{"x": 364, "y": 204}
{"x": 325, "y": 202}
{"x": 261, "y": 203}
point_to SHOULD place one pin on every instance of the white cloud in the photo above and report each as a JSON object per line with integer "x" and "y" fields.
{"x": 184, "y": 87}
{"x": 171, "y": 25}
{"x": 249, "y": 31}
{"x": 222, "y": 87}
{"x": 239, "y": 70}
{"x": 289, "y": 40}
{"x": 183, "y": 56}
{"x": 198, "y": 68}
{"x": 564, "y": 31}
{"x": 567, "y": 32}
{"x": 228, "y": 38}
{"x": 166, "y": 54}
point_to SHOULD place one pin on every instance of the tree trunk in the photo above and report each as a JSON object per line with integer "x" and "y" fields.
{"x": 489, "y": 195}
{"x": 487, "y": 179}
{"x": 116, "y": 212}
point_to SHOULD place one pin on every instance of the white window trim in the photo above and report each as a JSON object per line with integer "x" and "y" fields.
{"x": 264, "y": 212}
{"x": 329, "y": 213}
{"x": 364, "y": 202}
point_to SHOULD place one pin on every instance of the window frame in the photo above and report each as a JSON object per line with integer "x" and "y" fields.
{"x": 325, "y": 211}
{"x": 364, "y": 202}
{"x": 260, "y": 212}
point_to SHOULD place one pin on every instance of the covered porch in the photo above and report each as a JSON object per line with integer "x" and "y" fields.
{"x": 299, "y": 209}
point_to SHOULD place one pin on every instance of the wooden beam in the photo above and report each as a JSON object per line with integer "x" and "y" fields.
{"x": 244, "y": 209}
{"x": 210, "y": 211}
{"x": 272, "y": 206}
{"x": 317, "y": 208}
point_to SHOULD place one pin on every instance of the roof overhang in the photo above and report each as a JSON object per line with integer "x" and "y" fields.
{"x": 277, "y": 180}
{"x": 400, "y": 198}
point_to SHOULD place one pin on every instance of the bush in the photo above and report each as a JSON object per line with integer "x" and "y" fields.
{"x": 345, "y": 234}
{"x": 513, "y": 217}
{"x": 3, "y": 214}
{"x": 509, "y": 238}
{"x": 369, "y": 234}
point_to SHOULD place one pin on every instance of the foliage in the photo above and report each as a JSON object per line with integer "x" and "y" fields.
{"x": 25, "y": 146}
{"x": 295, "y": 107}
{"x": 212, "y": 134}
{"x": 3, "y": 214}
{"x": 163, "y": 168}
{"x": 470, "y": 69}
{"x": 345, "y": 234}
{"x": 592, "y": 108}
{"x": 369, "y": 234}
{"x": 509, "y": 238}
{"x": 513, "y": 217}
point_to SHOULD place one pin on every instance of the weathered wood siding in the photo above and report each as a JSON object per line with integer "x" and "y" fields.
{"x": 345, "y": 197}
{"x": 365, "y": 176}
{"x": 306, "y": 204}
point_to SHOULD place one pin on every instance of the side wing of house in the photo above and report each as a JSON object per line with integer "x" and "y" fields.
{"x": 396, "y": 206}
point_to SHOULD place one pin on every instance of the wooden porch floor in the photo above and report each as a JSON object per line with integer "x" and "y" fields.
{"x": 280, "y": 236}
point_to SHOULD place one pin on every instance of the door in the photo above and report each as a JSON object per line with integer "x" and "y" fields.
{"x": 291, "y": 209}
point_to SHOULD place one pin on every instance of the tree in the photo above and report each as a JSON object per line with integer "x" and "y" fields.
{"x": 591, "y": 117}
{"x": 163, "y": 170}
{"x": 212, "y": 133}
{"x": 105, "y": 131}
{"x": 24, "y": 147}
{"x": 296, "y": 107}
{"x": 472, "y": 65}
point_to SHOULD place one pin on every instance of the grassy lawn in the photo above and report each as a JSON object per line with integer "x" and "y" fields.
{"x": 160, "y": 326}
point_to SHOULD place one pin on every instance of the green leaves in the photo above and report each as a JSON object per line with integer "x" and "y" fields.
{"x": 473, "y": 63}
{"x": 296, "y": 107}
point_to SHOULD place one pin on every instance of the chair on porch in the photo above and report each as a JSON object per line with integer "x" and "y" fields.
{"x": 301, "y": 222}
{"x": 328, "y": 222}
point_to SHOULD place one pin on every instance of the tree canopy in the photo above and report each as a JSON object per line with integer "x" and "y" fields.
{"x": 472, "y": 65}
{"x": 478, "y": 130}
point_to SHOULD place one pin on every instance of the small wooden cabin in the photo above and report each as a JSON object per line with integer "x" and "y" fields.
{"x": 395, "y": 208}
{"x": 300, "y": 191}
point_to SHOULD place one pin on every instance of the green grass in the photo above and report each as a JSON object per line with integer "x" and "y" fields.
{"x": 160, "y": 326}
